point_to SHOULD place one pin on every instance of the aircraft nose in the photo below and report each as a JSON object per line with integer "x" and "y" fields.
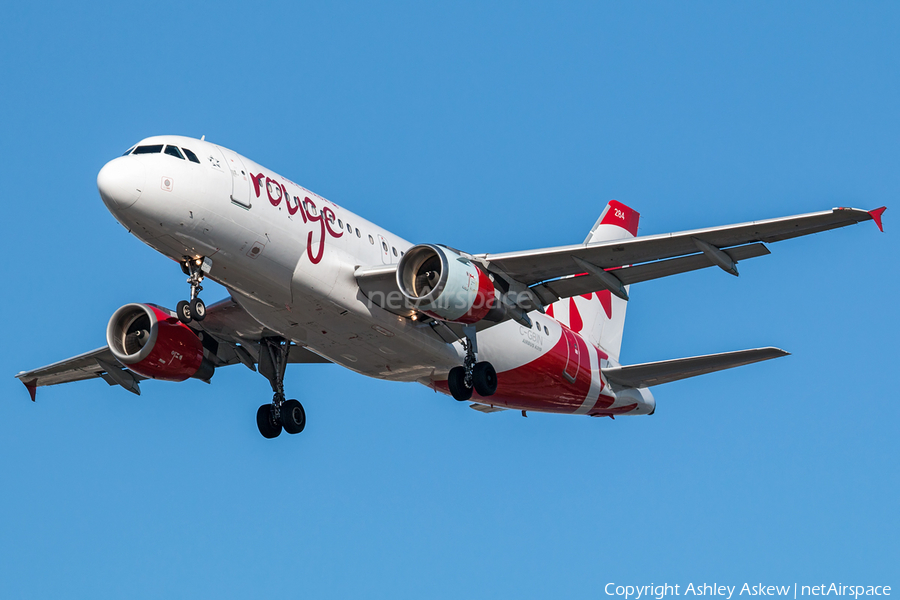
{"x": 120, "y": 182}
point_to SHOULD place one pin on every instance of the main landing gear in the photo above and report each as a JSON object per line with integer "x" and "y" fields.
{"x": 280, "y": 414}
{"x": 472, "y": 376}
{"x": 193, "y": 309}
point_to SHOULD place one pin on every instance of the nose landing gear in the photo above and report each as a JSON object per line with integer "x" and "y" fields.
{"x": 475, "y": 376}
{"x": 193, "y": 309}
{"x": 280, "y": 414}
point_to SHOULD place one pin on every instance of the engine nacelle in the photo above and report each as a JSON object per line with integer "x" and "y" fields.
{"x": 446, "y": 285}
{"x": 156, "y": 345}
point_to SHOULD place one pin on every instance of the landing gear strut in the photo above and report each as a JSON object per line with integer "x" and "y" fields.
{"x": 472, "y": 376}
{"x": 193, "y": 309}
{"x": 280, "y": 414}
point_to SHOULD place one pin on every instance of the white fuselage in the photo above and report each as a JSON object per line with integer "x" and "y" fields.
{"x": 288, "y": 256}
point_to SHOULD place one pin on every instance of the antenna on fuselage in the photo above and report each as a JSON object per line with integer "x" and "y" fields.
{"x": 203, "y": 138}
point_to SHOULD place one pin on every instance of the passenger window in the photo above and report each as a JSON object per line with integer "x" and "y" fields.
{"x": 371, "y": 240}
{"x": 384, "y": 246}
{"x": 173, "y": 151}
{"x": 331, "y": 217}
{"x": 340, "y": 224}
{"x": 191, "y": 156}
{"x": 155, "y": 149}
{"x": 127, "y": 152}
{"x": 358, "y": 234}
{"x": 546, "y": 331}
{"x": 395, "y": 250}
{"x": 349, "y": 228}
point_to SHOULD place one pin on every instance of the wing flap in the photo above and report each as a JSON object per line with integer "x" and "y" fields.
{"x": 666, "y": 371}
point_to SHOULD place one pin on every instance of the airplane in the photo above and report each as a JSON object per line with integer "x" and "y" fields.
{"x": 310, "y": 282}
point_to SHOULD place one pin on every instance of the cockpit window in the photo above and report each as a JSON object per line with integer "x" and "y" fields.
{"x": 155, "y": 149}
{"x": 173, "y": 151}
{"x": 191, "y": 156}
{"x": 127, "y": 152}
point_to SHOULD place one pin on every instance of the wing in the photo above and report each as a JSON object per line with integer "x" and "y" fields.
{"x": 666, "y": 371}
{"x": 228, "y": 333}
{"x": 554, "y": 273}
{"x": 536, "y": 278}
{"x": 96, "y": 363}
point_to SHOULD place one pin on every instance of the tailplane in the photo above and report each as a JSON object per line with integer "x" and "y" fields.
{"x": 600, "y": 316}
{"x": 665, "y": 371}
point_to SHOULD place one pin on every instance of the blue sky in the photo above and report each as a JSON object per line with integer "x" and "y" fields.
{"x": 487, "y": 127}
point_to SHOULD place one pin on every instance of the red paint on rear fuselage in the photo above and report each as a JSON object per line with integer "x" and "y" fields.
{"x": 542, "y": 384}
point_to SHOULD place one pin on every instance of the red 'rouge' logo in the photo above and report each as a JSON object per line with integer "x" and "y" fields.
{"x": 277, "y": 193}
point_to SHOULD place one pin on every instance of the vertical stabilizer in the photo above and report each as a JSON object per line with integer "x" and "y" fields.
{"x": 600, "y": 316}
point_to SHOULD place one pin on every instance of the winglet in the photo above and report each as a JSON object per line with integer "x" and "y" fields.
{"x": 876, "y": 216}
{"x": 32, "y": 388}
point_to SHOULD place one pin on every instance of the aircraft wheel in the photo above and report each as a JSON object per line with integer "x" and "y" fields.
{"x": 484, "y": 378}
{"x": 265, "y": 420}
{"x": 456, "y": 381}
{"x": 183, "y": 311}
{"x": 293, "y": 417}
{"x": 198, "y": 309}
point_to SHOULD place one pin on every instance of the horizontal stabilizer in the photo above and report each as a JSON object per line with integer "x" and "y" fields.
{"x": 666, "y": 371}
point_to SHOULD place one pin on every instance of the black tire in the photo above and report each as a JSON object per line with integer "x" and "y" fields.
{"x": 293, "y": 417}
{"x": 198, "y": 309}
{"x": 456, "y": 381}
{"x": 265, "y": 420}
{"x": 183, "y": 311}
{"x": 484, "y": 378}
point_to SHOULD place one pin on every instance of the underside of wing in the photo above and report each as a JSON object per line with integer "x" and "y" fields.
{"x": 96, "y": 363}
{"x": 554, "y": 273}
{"x": 666, "y": 371}
{"x": 237, "y": 337}
{"x": 585, "y": 283}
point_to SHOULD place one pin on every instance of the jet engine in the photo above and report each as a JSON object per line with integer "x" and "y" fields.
{"x": 443, "y": 283}
{"x": 156, "y": 345}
